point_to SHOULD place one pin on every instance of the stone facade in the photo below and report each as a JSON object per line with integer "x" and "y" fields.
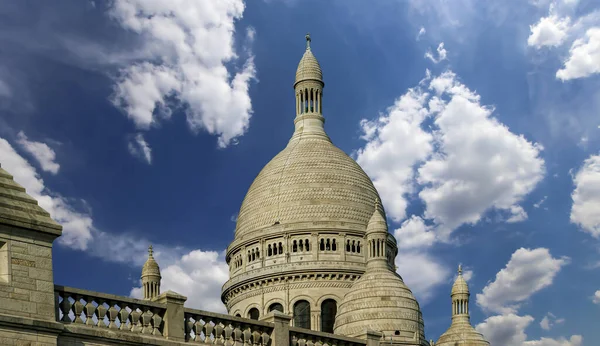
{"x": 311, "y": 238}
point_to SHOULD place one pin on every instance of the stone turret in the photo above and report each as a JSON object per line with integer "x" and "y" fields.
{"x": 380, "y": 301}
{"x": 151, "y": 277}
{"x": 461, "y": 332}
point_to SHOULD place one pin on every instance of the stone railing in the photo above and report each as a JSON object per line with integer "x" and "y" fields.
{"x": 102, "y": 310}
{"x": 306, "y": 337}
{"x": 88, "y": 316}
{"x": 212, "y": 328}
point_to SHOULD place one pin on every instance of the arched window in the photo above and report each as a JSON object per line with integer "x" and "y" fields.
{"x": 306, "y": 246}
{"x": 358, "y": 247}
{"x": 253, "y": 314}
{"x": 322, "y": 244}
{"x": 270, "y": 251}
{"x": 327, "y": 245}
{"x": 280, "y": 248}
{"x": 275, "y": 249}
{"x": 353, "y": 246}
{"x": 295, "y": 247}
{"x": 333, "y": 245}
{"x": 301, "y": 245}
{"x": 238, "y": 315}
{"x": 302, "y": 314}
{"x": 328, "y": 312}
{"x": 347, "y": 245}
{"x": 276, "y": 307}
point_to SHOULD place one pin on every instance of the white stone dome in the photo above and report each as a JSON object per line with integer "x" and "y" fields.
{"x": 380, "y": 301}
{"x": 311, "y": 180}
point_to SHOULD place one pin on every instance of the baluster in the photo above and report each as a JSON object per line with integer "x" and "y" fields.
{"x": 101, "y": 313}
{"x": 77, "y": 310}
{"x": 219, "y": 333}
{"x": 198, "y": 330}
{"x": 89, "y": 312}
{"x": 208, "y": 330}
{"x": 135, "y": 321}
{"x": 229, "y": 335}
{"x": 310, "y": 343}
{"x": 146, "y": 320}
{"x": 256, "y": 336}
{"x": 124, "y": 319}
{"x": 156, "y": 323}
{"x": 65, "y": 308}
{"x": 319, "y": 343}
{"x": 112, "y": 316}
{"x": 265, "y": 338}
{"x": 189, "y": 326}
{"x": 302, "y": 342}
{"x": 238, "y": 335}
{"x": 247, "y": 336}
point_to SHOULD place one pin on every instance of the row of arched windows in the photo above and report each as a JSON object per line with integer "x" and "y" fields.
{"x": 377, "y": 248}
{"x": 253, "y": 254}
{"x": 237, "y": 261}
{"x": 275, "y": 249}
{"x": 309, "y": 101}
{"x": 302, "y": 316}
{"x": 460, "y": 306}
{"x": 327, "y": 245}
{"x": 300, "y": 245}
{"x": 353, "y": 246}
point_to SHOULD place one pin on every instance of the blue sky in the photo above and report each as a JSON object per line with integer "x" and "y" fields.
{"x": 139, "y": 122}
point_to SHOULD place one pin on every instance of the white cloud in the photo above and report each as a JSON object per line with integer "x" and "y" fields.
{"x": 442, "y": 54}
{"x": 584, "y": 57}
{"x": 478, "y": 162}
{"x": 585, "y": 211}
{"x": 77, "y": 227}
{"x": 527, "y": 272}
{"x": 596, "y": 298}
{"x": 550, "y": 31}
{"x": 505, "y": 330}
{"x": 540, "y": 202}
{"x": 422, "y": 32}
{"x": 550, "y": 321}
{"x": 190, "y": 47}
{"x": 395, "y": 143}
{"x": 421, "y": 271}
{"x": 198, "y": 275}
{"x": 414, "y": 234}
{"x": 44, "y": 155}
{"x": 138, "y": 147}
{"x": 509, "y": 330}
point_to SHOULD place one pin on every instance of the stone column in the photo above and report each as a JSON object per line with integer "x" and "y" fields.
{"x": 174, "y": 319}
{"x": 281, "y": 332}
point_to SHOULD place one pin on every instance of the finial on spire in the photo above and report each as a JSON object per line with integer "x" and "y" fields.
{"x": 307, "y": 41}
{"x": 460, "y": 269}
{"x": 150, "y": 251}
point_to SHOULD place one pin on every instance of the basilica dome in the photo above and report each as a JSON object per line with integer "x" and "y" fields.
{"x": 310, "y": 180}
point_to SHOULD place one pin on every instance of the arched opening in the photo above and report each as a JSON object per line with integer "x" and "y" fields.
{"x": 328, "y": 312}
{"x": 295, "y": 246}
{"x": 253, "y": 314}
{"x": 358, "y": 247}
{"x": 238, "y": 315}
{"x": 300, "y": 245}
{"x": 270, "y": 251}
{"x": 276, "y": 307}
{"x": 333, "y": 245}
{"x": 306, "y": 246}
{"x": 280, "y": 248}
{"x": 302, "y": 314}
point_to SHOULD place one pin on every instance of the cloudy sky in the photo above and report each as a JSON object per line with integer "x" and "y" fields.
{"x": 137, "y": 122}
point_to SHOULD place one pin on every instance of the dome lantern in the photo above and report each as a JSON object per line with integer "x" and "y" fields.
{"x": 151, "y": 276}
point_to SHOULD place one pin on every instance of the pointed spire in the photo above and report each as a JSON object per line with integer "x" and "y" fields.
{"x": 460, "y": 269}
{"x": 150, "y": 251}
{"x": 307, "y": 41}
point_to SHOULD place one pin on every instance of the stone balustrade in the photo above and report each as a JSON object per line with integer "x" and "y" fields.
{"x": 212, "y": 328}
{"x": 306, "y": 337}
{"x": 108, "y": 311}
{"x": 85, "y": 316}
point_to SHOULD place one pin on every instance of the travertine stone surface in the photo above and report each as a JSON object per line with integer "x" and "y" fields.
{"x": 461, "y": 332}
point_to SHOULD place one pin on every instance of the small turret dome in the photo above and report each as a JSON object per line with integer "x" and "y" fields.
{"x": 150, "y": 268}
{"x": 308, "y": 68}
{"x": 151, "y": 277}
{"x": 460, "y": 285}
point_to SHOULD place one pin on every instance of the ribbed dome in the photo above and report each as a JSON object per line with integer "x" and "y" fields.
{"x": 460, "y": 286}
{"x": 380, "y": 301}
{"x": 308, "y": 68}
{"x": 150, "y": 268}
{"x": 461, "y": 333}
{"x": 310, "y": 180}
